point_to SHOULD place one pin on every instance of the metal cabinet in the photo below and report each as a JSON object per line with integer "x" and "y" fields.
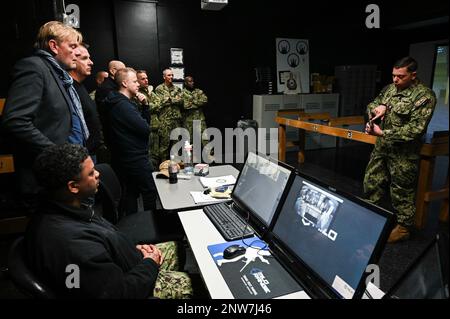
{"x": 265, "y": 109}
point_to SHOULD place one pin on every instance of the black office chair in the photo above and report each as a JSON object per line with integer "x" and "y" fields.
{"x": 22, "y": 276}
{"x": 107, "y": 199}
{"x": 140, "y": 227}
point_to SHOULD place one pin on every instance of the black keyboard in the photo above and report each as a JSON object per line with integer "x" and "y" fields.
{"x": 228, "y": 222}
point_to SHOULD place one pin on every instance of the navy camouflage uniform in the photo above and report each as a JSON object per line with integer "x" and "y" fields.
{"x": 194, "y": 100}
{"x": 395, "y": 158}
{"x": 169, "y": 108}
{"x": 171, "y": 283}
{"x": 153, "y": 102}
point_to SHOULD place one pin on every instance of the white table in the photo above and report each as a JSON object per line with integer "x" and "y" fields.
{"x": 200, "y": 233}
{"x": 177, "y": 196}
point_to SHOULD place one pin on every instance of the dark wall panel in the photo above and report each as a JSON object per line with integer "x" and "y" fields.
{"x": 97, "y": 26}
{"x": 213, "y": 54}
{"x": 221, "y": 49}
{"x": 19, "y": 23}
{"x": 136, "y": 34}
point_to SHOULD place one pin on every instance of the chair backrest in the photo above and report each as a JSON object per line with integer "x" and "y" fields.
{"x": 109, "y": 193}
{"x": 22, "y": 276}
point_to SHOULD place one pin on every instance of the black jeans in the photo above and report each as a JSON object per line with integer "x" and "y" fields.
{"x": 137, "y": 180}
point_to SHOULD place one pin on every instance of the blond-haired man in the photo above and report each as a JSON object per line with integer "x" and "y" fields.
{"x": 42, "y": 107}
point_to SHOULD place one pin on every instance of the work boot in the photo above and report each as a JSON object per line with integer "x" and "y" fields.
{"x": 399, "y": 233}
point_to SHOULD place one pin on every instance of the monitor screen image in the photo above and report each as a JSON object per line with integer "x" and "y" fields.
{"x": 316, "y": 207}
{"x": 334, "y": 236}
{"x": 260, "y": 186}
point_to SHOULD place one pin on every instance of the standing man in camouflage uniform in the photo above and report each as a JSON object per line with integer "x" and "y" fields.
{"x": 144, "y": 87}
{"x": 399, "y": 116}
{"x": 153, "y": 103}
{"x": 194, "y": 100}
{"x": 170, "y": 103}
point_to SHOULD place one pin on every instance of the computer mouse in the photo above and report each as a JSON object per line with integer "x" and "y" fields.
{"x": 233, "y": 251}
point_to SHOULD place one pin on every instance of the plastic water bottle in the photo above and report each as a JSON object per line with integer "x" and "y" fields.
{"x": 173, "y": 170}
{"x": 188, "y": 165}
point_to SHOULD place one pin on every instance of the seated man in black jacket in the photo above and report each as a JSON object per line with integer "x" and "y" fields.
{"x": 81, "y": 255}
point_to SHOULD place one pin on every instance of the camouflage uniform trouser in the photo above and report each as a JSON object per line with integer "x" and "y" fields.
{"x": 164, "y": 138}
{"x": 171, "y": 284}
{"x": 189, "y": 126}
{"x": 153, "y": 150}
{"x": 401, "y": 172}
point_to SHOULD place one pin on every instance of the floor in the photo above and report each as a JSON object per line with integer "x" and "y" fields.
{"x": 342, "y": 168}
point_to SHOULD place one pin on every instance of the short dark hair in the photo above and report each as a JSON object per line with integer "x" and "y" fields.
{"x": 408, "y": 62}
{"x": 59, "y": 164}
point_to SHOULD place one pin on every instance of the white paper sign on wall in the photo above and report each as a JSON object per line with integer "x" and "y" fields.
{"x": 292, "y": 65}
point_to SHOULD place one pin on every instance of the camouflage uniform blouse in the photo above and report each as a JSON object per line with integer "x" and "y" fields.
{"x": 408, "y": 113}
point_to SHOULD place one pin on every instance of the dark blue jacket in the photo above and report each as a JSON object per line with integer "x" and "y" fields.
{"x": 129, "y": 129}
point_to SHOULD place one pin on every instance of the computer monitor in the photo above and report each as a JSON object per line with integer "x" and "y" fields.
{"x": 327, "y": 238}
{"x": 260, "y": 187}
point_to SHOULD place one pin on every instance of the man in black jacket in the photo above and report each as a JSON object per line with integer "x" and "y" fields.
{"x": 108, "y": 85}
{"x": 81, "y": 255}
{"x": 130, "y": 130}
{"x": 42, "y": 107}
{"x": 79, "y": 74}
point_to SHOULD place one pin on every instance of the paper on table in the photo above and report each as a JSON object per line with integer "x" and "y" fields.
{"x": 184, "y": 176}
{"x": 200, "y": 198}
{"x": 217, "y": 181}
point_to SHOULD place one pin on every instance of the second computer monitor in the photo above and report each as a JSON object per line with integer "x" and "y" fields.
{"x": 260, "y": 186}
{"x": 333, "y": 235}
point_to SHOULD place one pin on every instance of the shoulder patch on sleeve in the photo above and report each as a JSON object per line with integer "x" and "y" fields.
{"x": 421, "y": 101}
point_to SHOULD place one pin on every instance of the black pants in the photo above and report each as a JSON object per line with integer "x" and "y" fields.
{"x": 137, "y": 180}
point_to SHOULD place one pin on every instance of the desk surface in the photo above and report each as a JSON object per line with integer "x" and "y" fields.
{"x": 200, "y": 233}
{"x": 177, "y": 196}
